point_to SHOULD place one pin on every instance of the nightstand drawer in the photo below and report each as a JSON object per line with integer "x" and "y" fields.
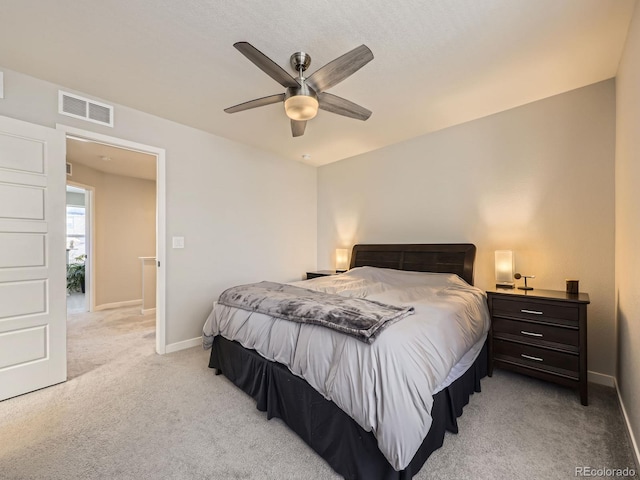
{"x": 532, "y": 310}
{"x": 536, "y": 332}
{"x": 536, "y": 357}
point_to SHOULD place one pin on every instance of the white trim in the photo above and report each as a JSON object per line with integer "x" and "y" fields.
{"x": 601, "y": 379}
{"x": 632, "y": 438}
{"x": 161, "y": 258}
{"x": 192, "y": 342}
{"x": 107, "y": 306}
{"x": 144, "y": 311}
{"x": 161, "y": 209}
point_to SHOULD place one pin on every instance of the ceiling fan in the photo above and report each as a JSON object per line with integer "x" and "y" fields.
{"x": 305, "y": 95}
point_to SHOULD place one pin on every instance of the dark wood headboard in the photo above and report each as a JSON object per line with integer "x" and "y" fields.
{"x": 455, "y": 258}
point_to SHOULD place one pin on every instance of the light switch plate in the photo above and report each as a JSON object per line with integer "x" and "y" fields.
{"x": 177, "y": 242}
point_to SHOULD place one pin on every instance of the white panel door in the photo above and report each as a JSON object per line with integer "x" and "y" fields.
{"x": 33, "y": 346}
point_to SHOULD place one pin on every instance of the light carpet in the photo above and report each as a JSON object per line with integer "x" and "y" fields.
{"x": 127, "y": 413}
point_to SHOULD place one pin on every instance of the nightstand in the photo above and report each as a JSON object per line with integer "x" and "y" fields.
{"x": 541, "y": 333}
{"x": 321, "y": 273}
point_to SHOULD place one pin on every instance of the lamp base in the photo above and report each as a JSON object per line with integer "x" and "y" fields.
{"x": 505, "y": 285}
{"x": 340, "y": 271}
{"x": 525, "y": 288}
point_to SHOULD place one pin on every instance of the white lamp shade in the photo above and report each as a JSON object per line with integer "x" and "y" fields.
{"x": 504, "y": 268}
{"x": 342, "y": 259}
{"x": 301, "y": 107}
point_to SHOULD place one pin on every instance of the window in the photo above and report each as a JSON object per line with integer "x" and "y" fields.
{"x": 75, "y": 232}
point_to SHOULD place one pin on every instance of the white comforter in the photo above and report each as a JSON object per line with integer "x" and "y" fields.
{"x": 388, "y": 386}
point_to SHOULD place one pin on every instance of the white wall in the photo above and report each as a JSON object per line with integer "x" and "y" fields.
{"x": 538, "y": 180}
{"x": 628, "y": 226}
{"x": 246, "y": 215}
{"x": 125, "y": 229}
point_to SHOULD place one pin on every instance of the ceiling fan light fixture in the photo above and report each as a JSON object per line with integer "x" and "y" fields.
{"x": 301, "y": 107}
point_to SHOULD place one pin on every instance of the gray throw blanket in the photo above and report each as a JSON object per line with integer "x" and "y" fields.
{"x": 360, "y": 318}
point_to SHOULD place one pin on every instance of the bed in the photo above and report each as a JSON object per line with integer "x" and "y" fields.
{"x": 371, "y": 411}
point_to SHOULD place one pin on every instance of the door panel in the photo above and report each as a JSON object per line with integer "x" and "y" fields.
{"x": 32, "y": 257}
{"x": 24, "y": 203}
{"x": 22, "y": 298}
{"x": 21, "y": 154}
{"x": 22, "y": 250}
{"x": 30, "y": 345}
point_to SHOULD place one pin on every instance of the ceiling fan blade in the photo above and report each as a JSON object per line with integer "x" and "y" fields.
{"x": 267, "y": 65}
{"x": 297, "y": 128}
{"x": 258, "y": 102}
{"x": 337, "y": 70}
{"x": 334, "y": 104}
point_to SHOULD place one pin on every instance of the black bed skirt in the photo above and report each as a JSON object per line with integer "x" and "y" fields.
{"x": 351, "y": 451}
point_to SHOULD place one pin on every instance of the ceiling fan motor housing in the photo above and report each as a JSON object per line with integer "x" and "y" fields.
{"x": 300, "y": 61}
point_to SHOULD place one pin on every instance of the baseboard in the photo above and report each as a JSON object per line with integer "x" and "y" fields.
{"x": 107, "y": 306}
{"x": 601, "y": 379}
{"x": 192, "y": 342}
{"x": 144, "y": 311}
{"x": 631, "y": 436}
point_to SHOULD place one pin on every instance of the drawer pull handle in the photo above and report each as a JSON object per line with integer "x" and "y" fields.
{"x": 537, "y": 359}
{"x": 534, "y": 312}
{"x": 531, "y": 334}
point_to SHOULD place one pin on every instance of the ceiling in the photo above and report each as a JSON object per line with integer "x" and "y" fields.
{"x": 109, "y": 159}
{"x": 437, "y": 63}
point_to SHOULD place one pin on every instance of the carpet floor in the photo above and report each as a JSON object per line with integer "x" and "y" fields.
{"x": 127, "y": 413}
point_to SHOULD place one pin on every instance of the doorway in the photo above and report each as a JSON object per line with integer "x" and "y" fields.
{"x": 157, "y": 251}
{"x": 78, "y": 243}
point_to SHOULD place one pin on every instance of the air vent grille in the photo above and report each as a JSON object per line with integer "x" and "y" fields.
{"x": 84, "y": 108}
{"x": 69, "y": 169}
{"x": 99, "y": 113}
{"x": 74, "y": 106}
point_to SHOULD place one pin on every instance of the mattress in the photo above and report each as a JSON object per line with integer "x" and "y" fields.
{"x": 386, "y": 387}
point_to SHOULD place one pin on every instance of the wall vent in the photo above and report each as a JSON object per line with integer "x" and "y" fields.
{"x": 69, "y": 169}
{"x": 85, "y": 109}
